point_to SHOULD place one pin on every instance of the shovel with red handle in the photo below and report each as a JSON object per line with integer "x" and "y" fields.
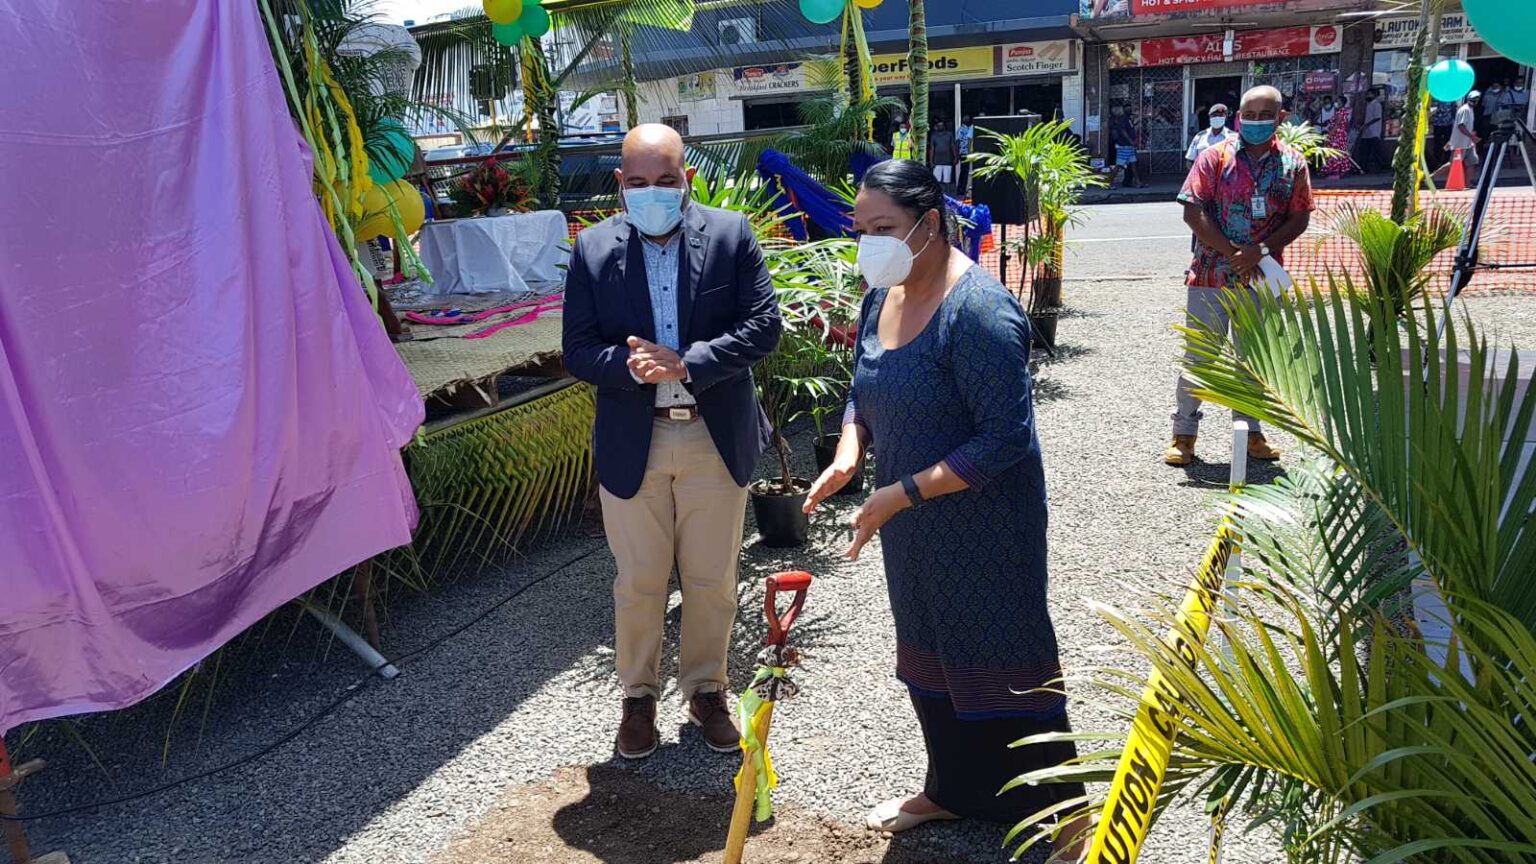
{"x": 768, "y": 686}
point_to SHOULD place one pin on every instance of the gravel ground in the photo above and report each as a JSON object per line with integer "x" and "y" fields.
{"x": 405, "y": 768}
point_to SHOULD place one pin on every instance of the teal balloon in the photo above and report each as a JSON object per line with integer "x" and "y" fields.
{"x": 508, "y": 34}
{"x": 1508, "y": 25}
{"x": 822, "y": 11}
{"x": 391, "y": 150}
{"x": 1449, "y": 80}
{"x": 535, "y": 20}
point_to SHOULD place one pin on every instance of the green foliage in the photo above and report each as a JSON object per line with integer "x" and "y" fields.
{"x": 1405, "y": 160}
{"x": 836, "y": 125}
{"x": 1308, "y": 707}
{"x": 1394, "y": 256}
{"x": 486, "y": 484}
{"x": 1308, "y": 141}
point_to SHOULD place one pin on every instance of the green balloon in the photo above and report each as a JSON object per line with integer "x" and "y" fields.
{"x": 535, "y": 20}
{"x": 1508, "y": 25}
{"x": 822, "y": 11}
{"x": 1449, "y": 80}
{"x": 508, "y": 34}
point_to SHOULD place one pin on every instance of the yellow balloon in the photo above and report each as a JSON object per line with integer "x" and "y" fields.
{"x": 376, "y": 221}
{"x": 503, "y": 11}
{"x": 866, "y": 4}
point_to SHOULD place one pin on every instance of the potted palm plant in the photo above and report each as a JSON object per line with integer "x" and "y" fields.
{"x": 1395, "y": 258}
{"x": 807, "y": 375}
{"x": 1053, "y": 170}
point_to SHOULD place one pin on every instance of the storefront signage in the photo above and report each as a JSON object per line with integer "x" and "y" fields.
{"x": 780, "y": 78}
{"x": 944, "y": 65}
{"x": 1209, "y": 47}
{"x": 1163, "y": 7}
{"x": 1037, "y": 58}
{"x": 1402, "y": 32}
{"x": 1320, "y": 81}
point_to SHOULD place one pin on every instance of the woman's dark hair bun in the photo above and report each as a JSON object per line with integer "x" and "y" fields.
{"x": 913, "y": 187}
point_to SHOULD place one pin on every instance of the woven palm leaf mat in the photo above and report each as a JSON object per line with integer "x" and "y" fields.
{"x": 441, "y": 360}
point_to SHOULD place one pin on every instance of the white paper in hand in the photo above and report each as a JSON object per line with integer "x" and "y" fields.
{"x": 1273, "y": 275}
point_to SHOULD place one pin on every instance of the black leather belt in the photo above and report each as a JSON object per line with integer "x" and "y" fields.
{"x": 680, "y": 413}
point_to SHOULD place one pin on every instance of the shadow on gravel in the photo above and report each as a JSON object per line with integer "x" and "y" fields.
{"x": 1216, "y": 475}
{"x": 623, "y": 820}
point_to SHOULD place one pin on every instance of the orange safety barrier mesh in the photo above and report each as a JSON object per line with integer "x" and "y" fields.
{"x": 1509, "y": 237}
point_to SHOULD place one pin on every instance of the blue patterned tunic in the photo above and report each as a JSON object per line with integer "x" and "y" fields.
{"x": 967, "y": 571}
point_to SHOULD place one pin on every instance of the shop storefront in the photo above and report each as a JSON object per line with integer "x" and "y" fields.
{"x": 769, "y": 94}
{"x": 1159, "y": 89}
{"x": 1034, "y": 77}
{"x": 1394, "y": 42}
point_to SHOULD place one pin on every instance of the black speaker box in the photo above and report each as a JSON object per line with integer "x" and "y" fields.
{"x": 1001, "y": 193}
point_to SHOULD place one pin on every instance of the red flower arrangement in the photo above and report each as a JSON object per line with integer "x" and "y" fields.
{"x": 490, "y": 186}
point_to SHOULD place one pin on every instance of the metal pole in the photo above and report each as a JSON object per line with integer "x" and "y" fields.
{"x": 349, "y": 637}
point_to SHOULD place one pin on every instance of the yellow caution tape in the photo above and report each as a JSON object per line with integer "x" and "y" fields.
{"x": 1133, "y": 794}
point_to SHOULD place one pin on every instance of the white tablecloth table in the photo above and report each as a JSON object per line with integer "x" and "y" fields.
{"x": 495, "y": 253}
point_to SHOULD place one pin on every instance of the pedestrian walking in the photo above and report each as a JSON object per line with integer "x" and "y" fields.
{"x": 965, "y": 145}
{"x": 1370, "y": 152}
{"x": 943, "y": 395}
{"x": 1338, "y": 139}
{"x": 1442, "y": 119}
{"x": 1217, "y": 133}
{"x": 1122, "y": 134}
{"x": 667, "y": 306}
{"x": 1463, "y": 138}
{"x": 1246, "y": 199}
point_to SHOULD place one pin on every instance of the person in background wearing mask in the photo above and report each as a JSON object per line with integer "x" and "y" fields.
{"x": 1246, "y": 199}
{"x": 1338, "y": 139}
{"x": 1325, "y": 112}
{"x": 1519, "y": 99}
{"x": 901, "y": 141}
{"x": 1370, "y": 153}
{"x": 943, "y": 395}
{"x": 667, "y": 306}
{"x": 941, "y": 155}
{"x": 1494, "y": 101}
{"x": 1218, "y": 132}
{"x": 1442, "y": 119}
{"x": 965, "y": 145}
{"x": 1122, "y": 134}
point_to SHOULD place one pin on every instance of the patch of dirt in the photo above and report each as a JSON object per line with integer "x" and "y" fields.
{"x": 609, "y": 815}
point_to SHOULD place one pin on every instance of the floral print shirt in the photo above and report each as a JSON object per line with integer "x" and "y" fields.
{"x": 1248, "y": 199}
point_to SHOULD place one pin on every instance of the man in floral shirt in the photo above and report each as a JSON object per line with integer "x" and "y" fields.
{"x": 1245, "y": 199}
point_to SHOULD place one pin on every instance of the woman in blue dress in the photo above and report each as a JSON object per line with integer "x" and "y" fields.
{"x": 942, "y": 396}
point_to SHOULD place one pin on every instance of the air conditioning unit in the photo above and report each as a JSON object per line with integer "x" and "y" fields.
{"x": 738, "y": 31}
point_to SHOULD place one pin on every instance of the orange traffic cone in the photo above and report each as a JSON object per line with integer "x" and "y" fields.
{"x": 1457, "y": 181}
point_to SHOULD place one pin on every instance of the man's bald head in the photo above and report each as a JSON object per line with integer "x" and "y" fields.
{"x": 653, "y": 155}
{"x": 1264, "y": 102}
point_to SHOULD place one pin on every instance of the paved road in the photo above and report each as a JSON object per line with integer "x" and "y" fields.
{"x": 405, "y": 768}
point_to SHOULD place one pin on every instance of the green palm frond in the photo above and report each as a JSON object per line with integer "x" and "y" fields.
{"x": 1309, "y": 142}
{"x": 836, "y": 124}
{"x": 1395, "y": 257}
{"x": 487, "y": 484}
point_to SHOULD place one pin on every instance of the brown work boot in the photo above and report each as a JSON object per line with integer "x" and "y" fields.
{"x": 637, "y": 731}
{"x": 1259, "y": 449}
{"x": 708, "y": 711}
{"x": 1181, "y": 451}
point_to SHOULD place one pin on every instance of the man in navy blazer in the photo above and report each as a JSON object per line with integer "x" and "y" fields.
{"x": 667, "y": 306}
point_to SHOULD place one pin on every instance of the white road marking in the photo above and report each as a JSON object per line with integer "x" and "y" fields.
{"x": 1127, "y": 239}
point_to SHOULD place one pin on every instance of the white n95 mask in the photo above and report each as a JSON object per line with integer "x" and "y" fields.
{"x": 885, "y": 261}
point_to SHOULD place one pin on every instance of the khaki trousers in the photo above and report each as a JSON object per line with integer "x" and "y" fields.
{"x": 689, "y": 512}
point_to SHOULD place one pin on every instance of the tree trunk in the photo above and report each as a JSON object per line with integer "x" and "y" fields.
{"x": 631, "y": 89}
{"x": 1405, "y": 160}
{"x": 539, "y": 101}
{"x": 917, "y": 63}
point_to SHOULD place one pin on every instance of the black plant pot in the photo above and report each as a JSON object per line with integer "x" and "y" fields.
{"x": 826, "y": 451}
{"x": 1043, "y": 327}
{"x": 781, "y": 519}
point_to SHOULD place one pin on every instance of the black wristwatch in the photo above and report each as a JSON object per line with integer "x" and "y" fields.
{"x": 914, "y": 494}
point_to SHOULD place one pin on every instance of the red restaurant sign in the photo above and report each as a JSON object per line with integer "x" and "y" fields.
{"x": 1163, "y": 7}
{"x": 1209, "y": 48}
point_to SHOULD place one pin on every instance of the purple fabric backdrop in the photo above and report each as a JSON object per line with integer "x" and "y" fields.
{"x": 200, "y": 417}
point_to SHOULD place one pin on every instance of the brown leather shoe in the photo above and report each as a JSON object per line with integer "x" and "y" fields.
{"x": 708, "y": 711}
{"x": 1259, "y": 449}
{"x": 637, "y": 731}
{"x": 1181, "y": 451}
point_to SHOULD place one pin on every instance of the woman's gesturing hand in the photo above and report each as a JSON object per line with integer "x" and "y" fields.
{"x": 844, "y": 465}
{"x": 876, "y": 510}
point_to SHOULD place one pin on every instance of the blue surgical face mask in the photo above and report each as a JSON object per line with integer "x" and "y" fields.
{"x": 1218, "y": 121}
{"x": 655, "y": 210}
{"x": 1257, "y": 131}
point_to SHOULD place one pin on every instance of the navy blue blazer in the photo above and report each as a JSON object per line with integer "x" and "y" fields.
{"x": 728, "y": 319}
